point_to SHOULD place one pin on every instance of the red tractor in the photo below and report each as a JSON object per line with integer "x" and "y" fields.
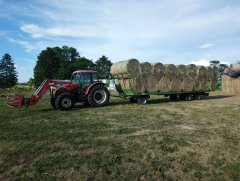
{"x": 84, "y": 86}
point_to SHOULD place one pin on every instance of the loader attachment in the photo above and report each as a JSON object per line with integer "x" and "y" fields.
{"x": 15, "y": 100}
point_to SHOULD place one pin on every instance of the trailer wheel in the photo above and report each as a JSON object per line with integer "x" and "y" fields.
{"x": 98, "y": 96}
{"x": 173, "y": 97}
{"x": 197, "y": 97}
{"x": 188, "y": 97}
{"x": 52, "y": 101}
{"x": 142, "y": 100}
{"x": 64, "y": 102}
{"x": 132, "y": 100}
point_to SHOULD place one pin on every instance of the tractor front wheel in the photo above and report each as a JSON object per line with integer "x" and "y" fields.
{"x": 98, "y": 96}
{"x": 64, "y": 102}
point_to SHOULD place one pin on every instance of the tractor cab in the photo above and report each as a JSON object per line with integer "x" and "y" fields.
{"x": 83, "y": 78}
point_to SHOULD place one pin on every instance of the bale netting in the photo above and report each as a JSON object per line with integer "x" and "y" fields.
{"x": 152, "y": 84}
{"x": 130, "y": 67}
{"x": 164, "y": 84}
{"x": 176, "y": 85}
{"x": 235, "y": 67}
{"x": 187, "y": 84}
{"x": 201, "y": 72}
{"x": 146, "y": 69}
{"x": 158, "y": 70}
{"x": 171, "y": 71}
{"x": 181, "y": 71}
{"x": 191, "y": 71}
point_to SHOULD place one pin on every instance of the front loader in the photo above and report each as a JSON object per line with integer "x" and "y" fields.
{"x": 84, "y": 86}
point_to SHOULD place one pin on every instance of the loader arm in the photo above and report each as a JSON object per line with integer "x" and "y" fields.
{"x": 18, "y": 100}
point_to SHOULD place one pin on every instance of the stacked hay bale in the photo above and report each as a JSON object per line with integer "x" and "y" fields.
{"x": 231, "y": 81}
{"x": 137, "y": 77}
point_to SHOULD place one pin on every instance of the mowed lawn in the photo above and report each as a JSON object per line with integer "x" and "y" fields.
{"x": 163, "y": 140}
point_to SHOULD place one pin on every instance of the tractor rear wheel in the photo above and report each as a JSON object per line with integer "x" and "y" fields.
{"x": 98, "y": 96}
{"x": 64, "y": 102}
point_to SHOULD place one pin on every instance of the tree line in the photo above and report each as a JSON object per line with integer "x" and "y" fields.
{"x": 60, "y": 62}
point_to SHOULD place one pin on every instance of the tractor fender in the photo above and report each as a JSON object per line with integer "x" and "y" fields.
{"x": 61, "y": 90}
{"x": 92, "y": 85}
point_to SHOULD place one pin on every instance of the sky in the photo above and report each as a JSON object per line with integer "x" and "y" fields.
{"x": 166, "y": 31}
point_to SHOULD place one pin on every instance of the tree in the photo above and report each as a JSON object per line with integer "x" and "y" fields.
{"x": 221, "y": 68}
{"x": 8, "y": 73}
{"x": 47, "y": 65}
{"x": 103, "y": 65}
{"x": 59, "y": 63}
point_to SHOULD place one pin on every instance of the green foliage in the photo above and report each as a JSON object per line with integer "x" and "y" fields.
{"x": 221, "y": 68}
{"x": 8, "y": 74}
{"x": 59, "y": 63}
{"x": 103, "y": 65}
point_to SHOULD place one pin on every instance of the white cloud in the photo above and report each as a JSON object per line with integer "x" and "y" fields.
{"x": 202, "y": 62}
{"x": 207, "y": 45}
{"x": 205, "y": 62}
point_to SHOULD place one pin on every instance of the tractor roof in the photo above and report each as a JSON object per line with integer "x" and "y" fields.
{"x": 84, "y": 71}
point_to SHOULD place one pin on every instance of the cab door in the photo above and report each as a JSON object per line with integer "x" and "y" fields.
{"x": 86, "y": 80}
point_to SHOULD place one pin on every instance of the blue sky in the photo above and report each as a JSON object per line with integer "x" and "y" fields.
{"x": 167, "y": 31}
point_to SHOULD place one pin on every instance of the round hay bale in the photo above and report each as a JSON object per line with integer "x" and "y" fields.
{"x": 209, "y": 73}
{"x": 158, "y": 70}
{"x": 176, "y": 85}
{"x": 235, "y": 67}
{"x": 152, "y": 84}
{"x": 146, "y": 69}
{"x": 197, "y": 85}
{"x": 171, "y": 71}
{"x": 130, "y": 67}
{"x": 136, "y": 85}
{"x": 206, "y": 85}
{"x": 181, "y": 71}
{"x": 164, "y": 84}
{"x": 227, "y": 71}
{"x": 191, "y": 71}
{"x": 215, "y": 72}
{"x": 187, "y": 84}
{"x": 201, "y": 71}
{"x": 213, "y": 85}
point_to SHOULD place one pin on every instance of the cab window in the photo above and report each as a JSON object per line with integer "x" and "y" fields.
{"x": 94, "y": 77}
{"x": 87, "y": 79}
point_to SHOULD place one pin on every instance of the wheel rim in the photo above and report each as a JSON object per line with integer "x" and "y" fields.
{"x": 99, "y": 96}
{"x": 144, "y": 101}
{"x": 66, "y": 102}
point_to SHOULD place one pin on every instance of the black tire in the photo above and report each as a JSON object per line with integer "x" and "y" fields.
{"x": 197, "y": 97}
{"x": 98, "y": 96}
{"x": 142, "y": 101}
{"x": 64, "y": 102}
{"x": 52, "y": 101}
{"x": 132, "y": 100}
{"x": 188, "y": 97}
{"x": 173, "y": 97}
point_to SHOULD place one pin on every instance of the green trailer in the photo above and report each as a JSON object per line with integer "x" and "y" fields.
{"x": 142, "y": 98}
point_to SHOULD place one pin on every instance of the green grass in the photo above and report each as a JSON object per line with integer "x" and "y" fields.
{"x": 163, "y": 140}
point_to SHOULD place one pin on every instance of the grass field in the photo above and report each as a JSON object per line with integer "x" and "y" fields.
{"x": 197, "y": 140}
